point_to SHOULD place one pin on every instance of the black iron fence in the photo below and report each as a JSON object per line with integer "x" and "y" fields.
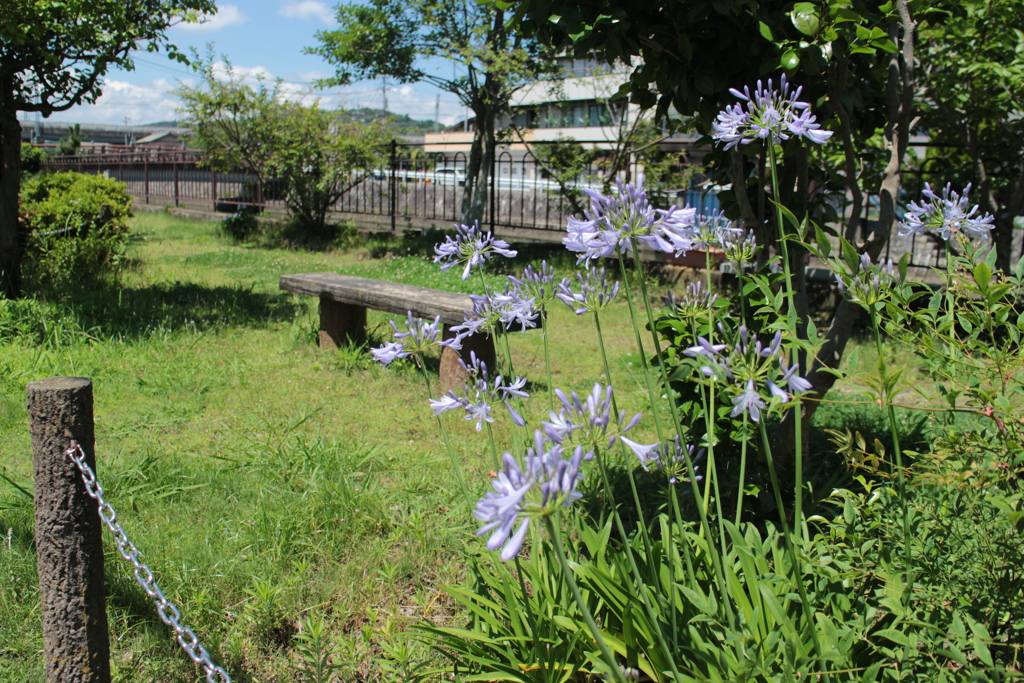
{"x": 412, "y": 185}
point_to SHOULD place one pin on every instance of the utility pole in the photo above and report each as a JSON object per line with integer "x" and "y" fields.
{"x": 384, "y": 94}
{"x": 437, "y": 113}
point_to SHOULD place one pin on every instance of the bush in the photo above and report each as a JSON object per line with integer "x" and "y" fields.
{"x": 75, "y": 227}
{"x": 242, "y": 224}
{"x": 31, "y": 161}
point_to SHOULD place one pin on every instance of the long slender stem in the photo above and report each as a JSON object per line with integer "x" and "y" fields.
{"x": 673, "y": 410}
{"x": 444, "y": 436}
{"x": 547, "y": 357}
{"x": 743, "y": 472}
{"x": 613, "y": 666}
{"x": 791, "y": 317}
{"x": 897, "y": 451}
{"x": 805, "y": 601}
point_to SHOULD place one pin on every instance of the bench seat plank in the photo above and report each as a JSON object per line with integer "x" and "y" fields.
{"x": 378, "y": 295}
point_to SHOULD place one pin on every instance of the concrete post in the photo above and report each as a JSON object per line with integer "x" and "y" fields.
{"x": 69, "y": 548}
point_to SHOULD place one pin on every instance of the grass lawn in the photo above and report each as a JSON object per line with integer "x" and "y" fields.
{"x": 264, "y": 481}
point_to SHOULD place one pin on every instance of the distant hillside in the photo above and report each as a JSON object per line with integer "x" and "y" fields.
{"x": 398, "y": 123}
{"x": 160, "y": 124}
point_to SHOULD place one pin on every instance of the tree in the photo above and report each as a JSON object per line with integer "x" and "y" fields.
{"x": 315, "y": 155}
{"x": 237, "y": 125}
{"x": 855, "y": 60}
{"x": 319, "y": 158}
{"x": 53, "y": 56}
{"x": 972, "y": 100}
{"x": 389, "y": 38}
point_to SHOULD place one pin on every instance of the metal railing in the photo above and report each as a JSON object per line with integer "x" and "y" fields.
{"x": 413, "y": 185}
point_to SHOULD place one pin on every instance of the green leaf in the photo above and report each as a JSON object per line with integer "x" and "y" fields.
{"x": 824, "y": 246}
{"x": 1018, "y": 270}
{"x": 983, "y": 275}
{"x": 790, "y": 60}
{"x": 805, "y": 18}
{"x": 896, "y": 636}
{"x": 766, "y": 31}
{"x": 979, "y": 635}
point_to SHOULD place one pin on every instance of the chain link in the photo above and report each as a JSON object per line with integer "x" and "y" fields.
{"x": 169, "y": 614}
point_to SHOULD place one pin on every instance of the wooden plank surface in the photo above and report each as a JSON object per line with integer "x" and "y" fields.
{"x": 380, "y": 295}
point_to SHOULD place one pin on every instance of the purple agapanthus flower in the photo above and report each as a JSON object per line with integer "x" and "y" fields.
{"x": 670, "y": 458}
{"x": 750, "y": 401}
{"x": 588, "y": 420}
{"x": 696, "y": 300}
{"x": 613, "y": 222}
{"x": 594, "y": 292}
{"x": 544, "y": 482}
{"x": 470, "y": 247}
{"x": 870, "y": 283}
{"x": 538, "y": 285}
{"x": 390, "y": 351}
{"x": 419, "y": 336}
{"x": 482, "y": 393}
{"x": 767, "y": 114}
{"x": 948, "y": 215}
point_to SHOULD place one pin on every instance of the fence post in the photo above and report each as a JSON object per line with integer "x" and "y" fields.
{"x": 494, "y": 170}
{"x": 393, "y": 190}
{"x": 145, "y": 177}
{"x": 213, "y": 188}
{"x": 174, "y": 163}
{"x": 69, "y": 548}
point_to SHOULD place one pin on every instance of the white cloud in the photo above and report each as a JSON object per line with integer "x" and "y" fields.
{"x": 308, "y": 9}
{"x": 146, "y": 103}
{"x": 152, "y": 101}
{"x": 226, "y": 15}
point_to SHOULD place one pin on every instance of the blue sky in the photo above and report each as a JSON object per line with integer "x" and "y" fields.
{"x": 258, "y": 37}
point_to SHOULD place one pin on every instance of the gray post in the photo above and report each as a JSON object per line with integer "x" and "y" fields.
{"x": 69, "y": 548}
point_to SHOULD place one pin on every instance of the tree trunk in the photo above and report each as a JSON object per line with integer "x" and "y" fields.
{"x": 481, "y": 161}
{"x": 468, "y": 216}
{"x": 10, "y": 181}
{"x": 899, "y": 93}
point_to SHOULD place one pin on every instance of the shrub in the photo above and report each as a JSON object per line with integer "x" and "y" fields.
{"x": 75, "y": 227}
{"x": 31, "y": 160}
{"x": 242, "y": 224}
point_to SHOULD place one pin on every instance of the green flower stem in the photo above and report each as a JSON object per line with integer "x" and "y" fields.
{"x": 791, "y": 546}
{"x": 494, "y": 449}
{"x": 547, "y": 357}
{"x": 644, "y": 589}
{"x": 792, "y": 318}
{"x": 642, "y": 522}
{"x": 531, "y": 619}
{"x": 682, "y": 534}
{"x": 705, "y": 523}
{"x": 606, "y": 654}
{"x": 891, "y": 412}
{"x": 517, "y": 437}
{"x": 444, "y": 436}
{"x": 743, "y": 471}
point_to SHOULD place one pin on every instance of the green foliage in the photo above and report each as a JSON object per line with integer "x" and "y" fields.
{"x": 309, "y": 153}
{"x": 31, "y": 160}
{"x": 70, "y": 143}
{"x": 54, "y": 55}
{"x": 76, "y": 226}
{"x": 241, "y": 225}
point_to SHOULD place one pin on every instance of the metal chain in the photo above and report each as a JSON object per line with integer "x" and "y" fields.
{"x": 169, "y": 614}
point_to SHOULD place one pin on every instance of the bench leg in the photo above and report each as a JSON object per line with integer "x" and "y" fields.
{"x": 341, "y": 324}
{"x": 453, "y": 375}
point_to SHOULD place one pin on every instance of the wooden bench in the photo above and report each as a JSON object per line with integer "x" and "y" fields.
{"x": 345, "y": 298}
